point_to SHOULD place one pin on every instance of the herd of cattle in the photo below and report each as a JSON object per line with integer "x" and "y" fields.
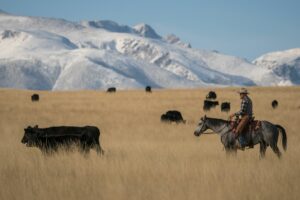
{"x": 113, "y": 89}
{"x": 211, "y": 102}
{"x": 49, "y": 140}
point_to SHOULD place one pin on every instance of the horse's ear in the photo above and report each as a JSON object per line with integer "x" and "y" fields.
{"x": 36, "y": 126}
{"x": 201, "y": 118}
{"x": 204, "y": 117}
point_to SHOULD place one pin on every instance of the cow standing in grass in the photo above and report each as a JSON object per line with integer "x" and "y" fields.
{"x": 211, "y": 95}
{"x": 148, "y": 89}
{"x": 51, "y": 139}
{"x": 207, "y": 104}
{"x": 274, "y": 104}
{"x": 225, "y": 107}
{"x": 111, "y": 90}
{"x": 172, "y": 116}
{"x": 35, "y": 97}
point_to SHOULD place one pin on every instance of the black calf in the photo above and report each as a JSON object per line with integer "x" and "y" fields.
{"x": 35, "y": 97}
{"x": 211, "y": 95}
{"x": 225, "y": 107}
{"x": 274, "y": 104}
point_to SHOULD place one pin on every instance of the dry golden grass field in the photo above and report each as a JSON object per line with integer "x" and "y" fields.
{"x": 144, "y": 158}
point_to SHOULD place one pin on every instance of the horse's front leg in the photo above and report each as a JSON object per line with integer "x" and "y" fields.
{"x": 230, "y": 151}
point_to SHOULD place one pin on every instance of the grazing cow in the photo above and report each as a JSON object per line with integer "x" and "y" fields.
{"x": 225, "y": 107}
{"x": 207, "y": 105}
{"x": 50, "y": 139}
{"x": 172, "y": 116}
{"x": 111, "y": 89}
{"x": 148, "y": 89}
{"x": 274, "y": 104}
{"x": 35, "y": 97}
{"x": 211, "y": 95}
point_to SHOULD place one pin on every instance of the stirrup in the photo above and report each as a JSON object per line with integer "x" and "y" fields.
{"x": 239, "y": 145}
{"x": 241, "y": 148}
{"x": 251, "y": 146}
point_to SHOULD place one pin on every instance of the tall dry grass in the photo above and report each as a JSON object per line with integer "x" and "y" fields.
{"x": 144, "y": 158}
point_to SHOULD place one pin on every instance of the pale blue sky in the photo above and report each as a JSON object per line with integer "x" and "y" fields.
{"x": 244, "y": 28}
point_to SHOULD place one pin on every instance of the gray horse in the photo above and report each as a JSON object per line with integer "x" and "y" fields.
{"x": 266, "y": 135}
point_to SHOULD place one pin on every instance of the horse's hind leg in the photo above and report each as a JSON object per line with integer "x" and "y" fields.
{"x": 276, "y": 150}
{"x": 262, "y": 150}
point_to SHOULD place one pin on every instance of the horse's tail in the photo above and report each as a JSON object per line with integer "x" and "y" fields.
{"x": 283, "y": 134}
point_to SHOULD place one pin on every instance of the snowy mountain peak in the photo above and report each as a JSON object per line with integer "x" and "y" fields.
{"x": 108, "y": 25}
{"x": 283, "y": 56}
{"x": 173, "y": 39}
{"x": 146, "y": 31}
{"x": 3, "y": 12}
{"x": 142, "y": 30}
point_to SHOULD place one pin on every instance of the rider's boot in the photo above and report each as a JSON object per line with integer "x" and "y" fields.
{"x": 251, "y": 145}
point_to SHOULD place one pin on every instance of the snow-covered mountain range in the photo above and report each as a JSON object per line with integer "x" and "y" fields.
{"x": 285, "y": 64}
{"x": 55, "y": 54}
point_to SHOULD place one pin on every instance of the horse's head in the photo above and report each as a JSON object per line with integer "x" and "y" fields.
{"x": 201, "y": 127}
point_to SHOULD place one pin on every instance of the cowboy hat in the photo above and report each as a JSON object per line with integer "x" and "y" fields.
{"x": 243, "y": 91}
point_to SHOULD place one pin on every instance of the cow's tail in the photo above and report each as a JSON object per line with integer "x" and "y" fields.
{"x": 283, "y": 136}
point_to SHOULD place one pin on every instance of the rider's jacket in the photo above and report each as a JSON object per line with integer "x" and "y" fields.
{"x": 246, "y": 107}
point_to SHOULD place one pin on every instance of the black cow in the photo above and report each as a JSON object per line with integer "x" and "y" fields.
{"x": 274, "y": 104}
{"x": 225, "y": 107}
{"x": 51, "y": 139}
{"x": 111, "y": 89}
{"x": 148, "y": 89}
{"x": 35, "y": 97}
{"x": 211, "y": 95}
{"x": 172, "y": 116}
{"x": 207, "y": 105}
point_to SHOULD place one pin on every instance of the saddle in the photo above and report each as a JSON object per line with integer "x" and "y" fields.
{"x": 251, "y": 126}
{"x": 248, "y": 129}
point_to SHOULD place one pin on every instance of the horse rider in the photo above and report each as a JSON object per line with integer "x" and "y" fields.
{"x": 245, "y": 114}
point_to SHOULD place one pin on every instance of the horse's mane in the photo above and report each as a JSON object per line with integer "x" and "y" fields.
{"x": 217, "y": 119}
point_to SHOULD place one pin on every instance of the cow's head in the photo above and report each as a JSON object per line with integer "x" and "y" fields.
{"x": 201, "y": 127}
{"x": 30, "y": 136}
{"x": 164, "y": 117}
